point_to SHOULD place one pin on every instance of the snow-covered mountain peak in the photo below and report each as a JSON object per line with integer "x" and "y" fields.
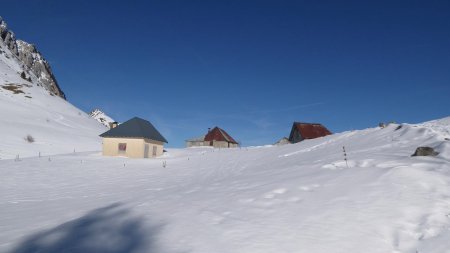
{"x": 28, "y": 62}
{"x": 4, "y": 26}
{"x": 101, "y": 117}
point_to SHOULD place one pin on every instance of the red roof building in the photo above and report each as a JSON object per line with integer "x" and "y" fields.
{"x": 303, "y": 131}
{"x": 218, "y": 137}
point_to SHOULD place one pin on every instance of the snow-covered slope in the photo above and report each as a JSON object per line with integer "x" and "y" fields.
{"x": 293, "y": 198}
{"x": 36, "y": 119}
{"x": 101, "y": 117}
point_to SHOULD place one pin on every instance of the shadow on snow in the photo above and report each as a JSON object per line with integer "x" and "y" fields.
{"x": 109, "y": 229}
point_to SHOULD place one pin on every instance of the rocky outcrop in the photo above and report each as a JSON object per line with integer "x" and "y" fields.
{"x": 102, "y": 117}
{"x": 425, "y": 151}
{"x": 8, "y": 37}
{"x": 31, "y": 60}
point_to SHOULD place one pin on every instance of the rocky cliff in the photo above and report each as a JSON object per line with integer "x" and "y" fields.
{"x": 33, "y": 64}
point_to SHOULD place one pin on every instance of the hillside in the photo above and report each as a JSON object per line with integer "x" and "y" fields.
{"x": 35, "y": 117}
{"x": 293, "y": 198}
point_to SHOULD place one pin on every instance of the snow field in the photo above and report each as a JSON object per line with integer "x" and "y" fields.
{"x": 293, "y": 198}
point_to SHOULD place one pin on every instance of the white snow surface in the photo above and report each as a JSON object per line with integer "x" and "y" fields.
{"x": 56, "y": 126}
{"x": 294, "y": 198}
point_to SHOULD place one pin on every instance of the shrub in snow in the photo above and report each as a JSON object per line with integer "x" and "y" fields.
{"x": 23, "y": 75}
{"x": 29, "y": 138}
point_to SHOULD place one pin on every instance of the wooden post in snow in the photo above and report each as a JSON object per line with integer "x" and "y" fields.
{"x": 345, "y": 156}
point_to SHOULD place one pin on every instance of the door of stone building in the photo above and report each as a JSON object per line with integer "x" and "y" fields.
{"x": 146, "y": 151}
{"x": 154, "y": 151}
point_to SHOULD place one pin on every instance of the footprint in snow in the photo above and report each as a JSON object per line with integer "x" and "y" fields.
{"x": 309, "y": 188}
{"x": 340, "y": 165}
{"x": 212, "y": 217}
{"x": 274, "y": 193}
{"x": 249, "y": 200}
{"x": 294, "y": 199}
{"x": 274, "y": 198}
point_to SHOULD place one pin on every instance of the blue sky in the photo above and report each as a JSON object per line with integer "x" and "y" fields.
{"x": 250, "y": 67}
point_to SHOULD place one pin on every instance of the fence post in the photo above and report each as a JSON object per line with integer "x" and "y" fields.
{"x": 345, "y": 156}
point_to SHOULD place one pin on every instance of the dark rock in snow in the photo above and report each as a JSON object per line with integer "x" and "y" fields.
{"x": 425, "y": 151}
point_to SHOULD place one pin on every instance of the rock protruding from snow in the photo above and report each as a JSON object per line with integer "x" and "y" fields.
{"x": 8, "y": 37}
{"x": 31, "y": 60}
{"x": 101, "y": 117}
{"x": 425, "y": 151}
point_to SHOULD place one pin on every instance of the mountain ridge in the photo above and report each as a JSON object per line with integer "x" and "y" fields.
{"x": 32, "y": 63}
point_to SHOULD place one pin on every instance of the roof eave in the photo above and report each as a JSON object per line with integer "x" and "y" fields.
{"x": 134, "y": 137}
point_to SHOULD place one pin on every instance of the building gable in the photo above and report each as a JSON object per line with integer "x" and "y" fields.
{"x": 218, "y": 134}
{"x": 301, "y": 131}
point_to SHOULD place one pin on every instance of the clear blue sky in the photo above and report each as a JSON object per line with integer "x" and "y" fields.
{"x": 250, "y": 67}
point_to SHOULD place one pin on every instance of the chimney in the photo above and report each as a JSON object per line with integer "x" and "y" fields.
{"x": 209, "y": 129}
{"x": 113, "y": 125}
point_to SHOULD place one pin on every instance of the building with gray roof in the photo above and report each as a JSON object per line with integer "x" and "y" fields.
{"x": 135, "y": 138}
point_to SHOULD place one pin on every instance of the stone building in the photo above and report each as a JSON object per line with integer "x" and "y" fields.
{"x": 135, "y": 138}
{"x": 302, "y": 131}
{"x": 216, "y": 137}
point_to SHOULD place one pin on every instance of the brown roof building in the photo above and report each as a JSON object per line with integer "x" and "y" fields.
{"x": 216, "y": 137}
{"x": 302, "y": 131}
